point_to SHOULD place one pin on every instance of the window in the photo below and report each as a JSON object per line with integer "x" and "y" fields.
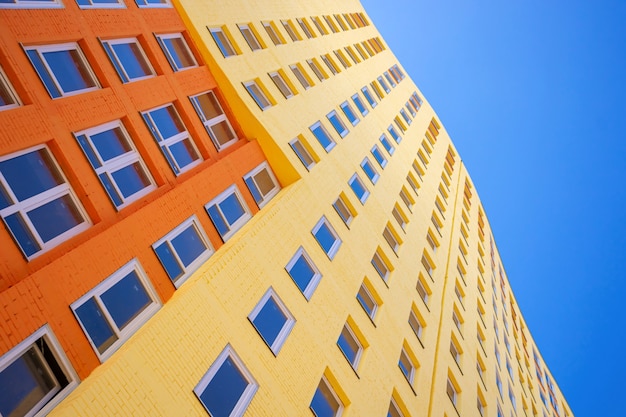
{"x": 228, "y": 387}
{"x": 316, "y": 69}
{"x": 331, "y": 24}
{"x": 325, "y": 402}
{"x": 291, "y": 30}
{"x": 302, "y": 79}
{"x": 390, "y": 79}
{"x": 262, "y": 184}
{"x": 318, "y": 24}
{"x": 177, "y": 51}
{"x": 408, "y": 200}
{"x": 400, "y": 217}
{"x": 349, "y": 113}
{"x": 394, "y": 411}
{"x": 386, "y": 144}
{"x": 326, "y": 237}
{"x": 322, "y": 136}
{"x": 394, "y": 133}
{"x": 392, "y": 238}
{"x": 341, "y": 57}
{"x": 128, "y": 58}
{"x": 63, "y": 69}
{"x": 455, "y": 351}
{"x": 458, "y": 322}
{"x": 368, "y": 96}
{"x": 369, "y": 170}
{"x": 36, "y": 202}
{"x": 172, "y": 137}
{"x": 344, "y": 209}
{"x": 330, "y": 64}
{"x": 35, "y": 375}
{"x": 183, "y": 250}
{"x": 281, "y": 84}
{"x": 117, "y": 163}
{"x": 359, "y": 189}
{"x": 300, "y": 147}
{"x": 413, "y": 183}
{"x": 153, "y": 3}
{"x": 272, "y": 320}
{"x": 359, "y": 104}
{"x": 303, "y": 272}
{"x": 8, "y": 97}
{"x": 381, "y": 265}
{"x": 214, "y": 119}
{"x": 257, "y": 94}
{"x": 352, "y": 55}
{"x": 452, "y": 392}
{"x": 382, "y": 82}
{"x": 350, "y": 345}
{"x": 223, "y": 42}
{"x": 273, "y": 33}
{"x": 248, "y": 34}
{"x": 410, "y": 108}
{"x": 405, "y": 116}
{"x": 114, "y": 310}
{"x": 337, "y": 123}
{"x": 379, "y": 157}
{"x": 499, "y": 384}
{"x": 305, "y": 28}
{"x": 30, "y": 4}
{"x": 366, "y": 298}
{"x": 423, "y": 291}
{"x": 407, "y": 365}
{"x": 228, "y": 212}
{"x": 416, "y": 322}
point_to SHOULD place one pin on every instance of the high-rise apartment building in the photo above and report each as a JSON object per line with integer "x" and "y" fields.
{"x": 234, "y": 208}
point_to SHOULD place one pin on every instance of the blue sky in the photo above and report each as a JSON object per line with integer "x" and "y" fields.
{"x": 533, "y": 94}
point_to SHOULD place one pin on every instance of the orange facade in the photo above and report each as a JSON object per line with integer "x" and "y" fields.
{"x": 98, "y": 166}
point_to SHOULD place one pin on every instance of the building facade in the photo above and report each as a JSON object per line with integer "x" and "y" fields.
{"x": 241, "y": 209}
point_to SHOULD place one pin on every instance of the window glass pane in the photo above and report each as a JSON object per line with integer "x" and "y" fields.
{"x": 325, "y": 237}
{"x": 30, "y": 174}
{"x": 126, "y": 299}
{"x": 366, "y": 301}
{"x": 188, "y": 245}
{"x": 348, "y": 345}
{"x": 132, "y": 60}
{"x": 69, "y": 70}
{"x": 209, "y": 105}
{"x": 232, "y": 208}
{"x": 270, "y": 321}
{"x": 302, "y": 273}
{"x": 322, "y": 136}
{"x": 168, "y": 259}
{"x": 324, "y": 403}
{"x": 167, "y": 121}
{"x": 110, "y": 143}
{"x": 218, "y": 220}
{"x": 22, "y": 234}
{"x": 225, "y": 389}
{"x": 131, "y": 179}
{"x": 177, "y": 52}
{"x": 184, "y": 152}
{"x": 98, "y": 328}
{"x": 62, "y": 211}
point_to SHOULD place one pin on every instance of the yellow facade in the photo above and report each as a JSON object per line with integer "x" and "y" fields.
{"x": 434, "y": 220}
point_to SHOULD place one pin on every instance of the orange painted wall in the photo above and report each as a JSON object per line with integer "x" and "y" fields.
{"x": 40, "y": 291}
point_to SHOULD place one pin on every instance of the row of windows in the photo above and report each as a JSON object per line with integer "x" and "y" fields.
{"x": 83, "y": 4}
{"x": 287, "y": 88}
{"x": 33, "y": 188}
{"x": 64, "y": 70}
{"x": 227, "y": 45}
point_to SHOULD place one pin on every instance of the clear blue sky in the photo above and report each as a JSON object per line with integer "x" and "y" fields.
{"x": 533, "y": 94}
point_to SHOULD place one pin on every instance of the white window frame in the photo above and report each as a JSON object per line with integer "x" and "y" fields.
{"x": 323, "y": 222}
{"x": 6, "y": 86}
{"x": 386, "y": 144}
{"x": 23, "y": 207}
{"x": 375, "y": 175}
{"x": 136, "y": 322}
{"x": 394, "y": 409}
{"x": 250, "y": 181}
{"x": 411, "y": 370}
{"x": 188, "y": 270}
{"x": 358, "y": 102}
{"x": 328, "y": 61}
{"x": 423, "y": 292}
{"x": 223, "y": 42}
{"x": 147, "y": 4}
{"x": 281, "y": 84}
{"x": 319, "y": 125}
{"x": 238, "y": 224}
{"x": 349, "y": 113}
{"x": 170, "y": 55}
{"x": 71, "y": 46}
{"x": 314, "y": 280}
{"x": 341, "y": 129}
{"x": 250, "y": 37}
{"x": 257, "y": 94}
{"x": 405, "y": 116}
{"x": 368, "y": 96}
{"x": 214, "y": 121}
{"x": 383, "y": 84}
{"x": 165, "y": 143}
{"x": 354, "y": 363}
{"x": 452, "y": 392}
{"x": 108, "y": 168}
{"x": 117, "y": 64}
{"x": 290, "y": 321}
{"x": 249, "y": 391}
{"x": 57, "y": 393}
{"x": 302, "y": 79}
{"x": 340, "y": 406}
{"x": 394, "y": 133}
{"x": 390, "y": 79}
{"x": 356, "y": 178}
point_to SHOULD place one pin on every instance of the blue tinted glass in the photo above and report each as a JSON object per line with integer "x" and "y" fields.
{"x": 30, "y": 174}
{"x": 168, "y": 260}
{"x": 322, "y": 137}
{"x": 96, "y": 325}
{"x": 270, "y": 321}
{"x": 347, "y": 347}
{"x": 110, "y": 143}
{"x": 394, "y": 134}
{"x": 110, "y": 53}
{"x": 225, "y": 389}
{"x": 22, "y": 234}
{"x": 220, "y": 45}
{"x": 350, "y": 114}
{"x": 254, "y": 190}
{"x": 131, "y": 179}
{"x": 325, "y": 237}
{"x": 177, "y": 53}
{"x": 91, "y": 155}
{"x": 232, "y": 209}
{"x": 55, "y": 217}
{"x": 302, "y": 273}
{"x": 110, "y": 189}
{"x": 405, "y": 371}
{"x": 184, "y": 153}
{"x": 365, "y": 304}
{"x": 387, "y": 145}
{"x": 41, "y": 69}
{"x": 131, "y": 58}
{"x": 358, "y": 188}
{"x": 368, "y": 97}
{"x": 218, "y": 220}
{"x": 321, "y": 404}
{"x": 379, "y": 157}
{"x": 126, "y": 299}
{"x": 359, "y": 105}
{"x": 167, "y": 122}
{"x": 369, "y": 171}
{"x": 339, "y": 127}
{"x": 188, "y": 245}
{"x": 69, "y": 70}
{"x": 25, "y": 381}
{"x": 5, "y": 200}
